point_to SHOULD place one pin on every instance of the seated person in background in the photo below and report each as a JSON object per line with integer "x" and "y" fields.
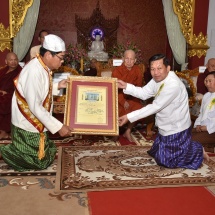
{"x": 130, "y": 73}
{"x": 201, "y": 88}
{"x": 173, "y": 146}
{"x": 31, "y": 148}
{"x": 97, "y": 50}
{"x": 204, "y": 126}
{"x": 7, "y": 74}
{"x": 36, "y": 49}
{"x": 92, "y": 71}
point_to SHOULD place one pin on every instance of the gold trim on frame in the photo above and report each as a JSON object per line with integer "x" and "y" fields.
{"x": 91, "y": 105}
{"x": 17, "y": 11}
{"x": 185, "y": 11}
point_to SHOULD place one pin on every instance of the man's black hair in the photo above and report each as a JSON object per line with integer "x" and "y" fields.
{"x": 158, "y": 57}
{"x": 40, "y": 33}
{"x": 211, "y": 73}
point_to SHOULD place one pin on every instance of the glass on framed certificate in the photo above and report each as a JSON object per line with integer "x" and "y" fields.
{"x": 92, "y": 105}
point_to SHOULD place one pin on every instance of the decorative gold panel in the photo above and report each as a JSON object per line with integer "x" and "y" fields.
{"x": 5, "y": 45}
{"x": 4, "y": 33}
{"x": 18, "y": 10}
{"x": 17, "y": 13}
{"x": 5, "y": 41}
{"x": 198, "y": 46}
{"x": 185, "y": 10}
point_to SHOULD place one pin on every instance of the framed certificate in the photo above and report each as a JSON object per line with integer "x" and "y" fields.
{"x": 92, "y": 105}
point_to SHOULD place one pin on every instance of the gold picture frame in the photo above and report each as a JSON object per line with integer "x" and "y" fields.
{"x": 91, "y": 105}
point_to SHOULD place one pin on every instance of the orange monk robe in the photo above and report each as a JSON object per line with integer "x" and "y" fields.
{"x": 133, "y": 76}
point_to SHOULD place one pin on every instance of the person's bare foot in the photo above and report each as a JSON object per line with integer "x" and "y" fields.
{"x": 206, "y": 156}
{"x": 127, "y": 135}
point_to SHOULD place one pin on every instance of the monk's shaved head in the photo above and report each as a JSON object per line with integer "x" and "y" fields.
{"x": 11, "y": 60}
{"x": 211, "y": 64}
{"x": 129, "y": 59}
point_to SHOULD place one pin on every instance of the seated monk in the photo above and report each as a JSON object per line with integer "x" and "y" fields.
{"x": 7, "y": 74}
{"x": 210, "y": 66}
{"x": 204, "y": 126}
{"x": 97, "y": 48}
{"x": 130, "y": 73}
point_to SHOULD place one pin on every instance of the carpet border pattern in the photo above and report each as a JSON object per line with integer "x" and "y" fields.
{"x": 78, "y": 185}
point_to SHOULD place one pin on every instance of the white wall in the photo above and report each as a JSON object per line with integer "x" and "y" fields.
{"x": 211, "y": 31}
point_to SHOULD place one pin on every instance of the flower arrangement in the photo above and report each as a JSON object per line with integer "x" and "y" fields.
{"x": 74, "y": 55}
{"x": 118, "y": 50}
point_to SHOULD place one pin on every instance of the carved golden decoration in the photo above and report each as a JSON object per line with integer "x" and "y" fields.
{"x": 185, "y": 10}
{"x": 184, "y": 75}
{"x": 85, "y": 25}
{"x": 59, "y": 105}
{"x": 5, "y": 41}
{"x": 17, "y": 13}
{"x": 5, "y": 45}
{"x": 18, "y": 10}
{"x": 194, "y": 72}
{"x": 198, "y": 46}
{"x": 4, "y": 33}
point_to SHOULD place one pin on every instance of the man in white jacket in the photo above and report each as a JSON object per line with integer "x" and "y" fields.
{"x": 173, "y": 146}
{"x": 32, "y": 117}
{"x": 204, "y": 126}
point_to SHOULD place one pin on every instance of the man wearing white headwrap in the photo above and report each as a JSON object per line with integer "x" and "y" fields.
{"x": 31, "y": 147}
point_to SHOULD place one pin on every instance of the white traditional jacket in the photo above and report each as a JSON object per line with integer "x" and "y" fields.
{"x": 170, "y": 104}
{"x": 33, "y": 85}
{"x": 207, "y": 113}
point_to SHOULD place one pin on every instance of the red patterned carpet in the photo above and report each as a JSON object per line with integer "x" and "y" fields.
{"x": 99, "y": 168}
{"x": 138, "y": 135}
{"x": 22, "y": 193}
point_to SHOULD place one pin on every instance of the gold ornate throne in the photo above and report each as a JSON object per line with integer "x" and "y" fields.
{"x": 97, "y": 20}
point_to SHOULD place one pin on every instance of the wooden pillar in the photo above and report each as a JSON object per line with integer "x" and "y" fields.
{"x": 198, "y": 48}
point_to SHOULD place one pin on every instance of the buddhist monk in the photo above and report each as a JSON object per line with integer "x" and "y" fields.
{"x": 7, "y": 74}
{"x": 130, "y": 73}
